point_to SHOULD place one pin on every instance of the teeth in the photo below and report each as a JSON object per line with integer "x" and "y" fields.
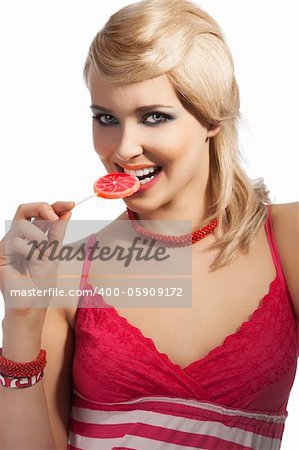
{"x": 146, "y": 180}
{"x": 141, "y": 172}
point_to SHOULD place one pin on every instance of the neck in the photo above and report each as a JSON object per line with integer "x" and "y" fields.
{"x": 176, "y": 219}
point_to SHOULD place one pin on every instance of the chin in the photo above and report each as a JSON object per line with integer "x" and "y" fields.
{"x": 142, "y": 205}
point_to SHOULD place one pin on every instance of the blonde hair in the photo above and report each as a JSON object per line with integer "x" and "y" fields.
{"x": 176, "y": 38}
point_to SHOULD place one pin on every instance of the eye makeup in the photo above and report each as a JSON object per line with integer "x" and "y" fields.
{"x": 164, "y": 118}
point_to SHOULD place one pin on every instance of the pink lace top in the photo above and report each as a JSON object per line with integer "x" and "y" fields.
{"x": 127, "y": 394}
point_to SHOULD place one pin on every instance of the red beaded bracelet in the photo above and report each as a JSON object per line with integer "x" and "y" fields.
{"x": 17, "y": 369}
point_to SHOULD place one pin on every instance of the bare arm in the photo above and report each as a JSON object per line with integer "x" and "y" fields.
{"x": 58, "y": 376}
{"x": 36, "y": 418}
{"x": 286, "y": 230}
{"x": 27, "y": 418}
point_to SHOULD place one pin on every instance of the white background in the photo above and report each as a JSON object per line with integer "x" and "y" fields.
{"x": 46, "y": 144}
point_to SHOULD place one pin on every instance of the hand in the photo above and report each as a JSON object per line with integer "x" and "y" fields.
{"x": 25, "y": 266}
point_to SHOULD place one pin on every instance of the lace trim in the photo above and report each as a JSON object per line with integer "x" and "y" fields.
{"x": 246, "y": 325}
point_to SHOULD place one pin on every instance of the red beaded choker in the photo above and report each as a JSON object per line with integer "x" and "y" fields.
{"x": 175, "y": 241}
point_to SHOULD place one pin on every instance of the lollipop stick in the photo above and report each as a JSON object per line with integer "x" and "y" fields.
{"x": 85, "y": 199}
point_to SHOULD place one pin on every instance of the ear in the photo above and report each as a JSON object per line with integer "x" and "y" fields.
{"x": 213, "y": 131}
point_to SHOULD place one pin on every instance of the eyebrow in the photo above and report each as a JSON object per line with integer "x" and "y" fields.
{"x": 137, "y": 110}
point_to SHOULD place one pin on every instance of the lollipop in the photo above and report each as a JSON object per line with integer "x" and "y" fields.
{"x": 114, "y": 185}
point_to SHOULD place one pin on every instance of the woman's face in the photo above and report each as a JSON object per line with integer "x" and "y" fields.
{"x": 145, "y": 125}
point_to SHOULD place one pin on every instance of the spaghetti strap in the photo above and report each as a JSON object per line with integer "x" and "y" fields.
{"x": 274, "y": 249}
{"x": 87, "y": 261}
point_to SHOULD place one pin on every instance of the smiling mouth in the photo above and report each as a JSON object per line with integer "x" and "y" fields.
{"x": 143, "y": 177}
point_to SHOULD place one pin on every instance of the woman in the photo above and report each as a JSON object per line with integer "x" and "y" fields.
{"x": 214, "y": 375}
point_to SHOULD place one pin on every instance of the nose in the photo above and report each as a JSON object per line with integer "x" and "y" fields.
{"x": 129, "y": 145}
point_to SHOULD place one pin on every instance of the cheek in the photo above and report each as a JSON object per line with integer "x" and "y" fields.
{"x": 95, "y": 137}
{"x": 184, "y": 144}
{"x": 189, "y": 155}
{"x": 169, "y": 145}
{"x": 100, "y": 144}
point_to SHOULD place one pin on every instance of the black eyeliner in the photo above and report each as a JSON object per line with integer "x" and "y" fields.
{"x": 165, "y": 118}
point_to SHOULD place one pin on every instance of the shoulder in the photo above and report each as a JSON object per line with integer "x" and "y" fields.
{"x": 285, "y": 220}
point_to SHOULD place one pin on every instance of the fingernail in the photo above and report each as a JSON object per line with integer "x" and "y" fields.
{"x": 52, "y": 215}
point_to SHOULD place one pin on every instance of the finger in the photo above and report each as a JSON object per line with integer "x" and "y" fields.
{"x": 59, "y": 208}
{"x": 18, "y": 246}
{"x": 30, "y": 240}
{"x": 62, "y": 207}
{"x": 40, "y": 210}
{"x": 42, "y": 224}
{"x": 24, "y": 229}
{"x": 58, "y": 228}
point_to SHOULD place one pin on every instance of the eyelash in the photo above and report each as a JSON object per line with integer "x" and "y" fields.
{"x": 165, "y": 119}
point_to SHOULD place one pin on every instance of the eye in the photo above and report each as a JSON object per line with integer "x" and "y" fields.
{"x": 159, "y": 118}
{"x": 108, "y": 119}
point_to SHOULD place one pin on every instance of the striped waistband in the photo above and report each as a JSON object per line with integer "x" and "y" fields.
{"x": 156, "y": 423}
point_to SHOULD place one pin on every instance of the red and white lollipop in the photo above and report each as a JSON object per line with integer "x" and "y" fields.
{"x": 114, "y": 185}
